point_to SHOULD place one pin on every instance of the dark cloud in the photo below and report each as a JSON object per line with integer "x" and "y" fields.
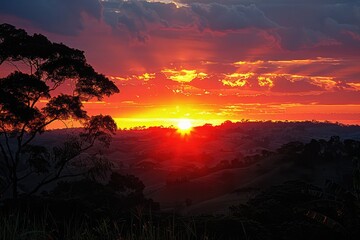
{"x": 136, "y": 16}
{"x": 59, "y": 16}
{"x": 286, "y": 85}
{"x": 300, "y": 24}
{"x": 296, "y": 24}
{"x": 139, "y": 17}
{"x": 214, "y": 1}
{"x": 221, "y": 17}
{"x": 310, "y": 25}
{"x": 209, "y": 83}
{"x": 262, "y": 1}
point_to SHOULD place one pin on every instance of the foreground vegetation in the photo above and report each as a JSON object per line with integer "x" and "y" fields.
{"x": 23, "y": 226}
{"x": 293, "y": 210}
{"x": 88, "y": 209}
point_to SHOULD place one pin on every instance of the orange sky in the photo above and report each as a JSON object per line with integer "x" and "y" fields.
{"x": 212, "y": 61}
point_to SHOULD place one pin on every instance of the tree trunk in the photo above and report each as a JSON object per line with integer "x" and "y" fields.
{"x": 15, "y": 188}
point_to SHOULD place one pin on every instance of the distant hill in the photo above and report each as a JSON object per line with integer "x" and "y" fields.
{"x": 217, "y": 166}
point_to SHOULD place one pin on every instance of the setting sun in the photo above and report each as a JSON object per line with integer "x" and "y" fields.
{"x": 184, "y": 125}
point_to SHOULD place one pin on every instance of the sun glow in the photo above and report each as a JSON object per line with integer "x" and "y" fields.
{"x": 184, "y": 126}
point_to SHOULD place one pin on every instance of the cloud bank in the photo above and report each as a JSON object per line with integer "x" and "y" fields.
{"x": 235, "y": 53}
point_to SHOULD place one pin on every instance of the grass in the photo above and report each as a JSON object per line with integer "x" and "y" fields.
{"x": 18, "y": 226}
{"x": 22, "y": 226}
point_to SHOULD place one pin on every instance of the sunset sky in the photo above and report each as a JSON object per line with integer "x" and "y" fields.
{"x": 211, "y": 60}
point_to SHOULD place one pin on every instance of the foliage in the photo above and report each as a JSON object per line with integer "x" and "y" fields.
{"x": 86, "y": 197}
{"x": 33, "y": 96}
{"x": 320, "y": 151}
{"x": 22, "y": 226}
{"x": 297, "y": 210}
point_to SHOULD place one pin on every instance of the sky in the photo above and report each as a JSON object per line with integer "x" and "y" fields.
{"x": 211, "y": 60}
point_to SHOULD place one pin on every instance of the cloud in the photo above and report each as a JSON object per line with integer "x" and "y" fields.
{"x": 286, "y": 85}
{"x": 221, "y": 17}
{"x": 58, "y": 16}
{"x": 237, "y": 79}
{"x": 297, "y": 24}
{"x": 315, "y": 24}
{"x": 210, "y": 83}
{"x": 294, "y": 25}
{"x": 262, "y": 1}
{"x": 183, "y": 75}
{"x": 289, "y": 24}
{"x": 140, "y": 17}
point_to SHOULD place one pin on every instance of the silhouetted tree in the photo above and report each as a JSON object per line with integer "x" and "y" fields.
{"x": 44, "y": 72}
{"x": 126, "y": 183}
{"x": 304, "y": 211}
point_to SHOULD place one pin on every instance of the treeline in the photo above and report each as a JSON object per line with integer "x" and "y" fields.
{"x": 303, "y": 154}
{"x": 321, "y": 150}
{"x": 297, "y": 210}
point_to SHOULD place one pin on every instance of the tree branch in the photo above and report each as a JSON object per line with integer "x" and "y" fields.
{"x": 58, "y": 175}
{"x": 37, "y": 131}
{"x": 3, "y": 170}
{"x": 12, "y": 64}
{"x": 7, "y": 145}
{"x": 5, "y": 188}
{"x": 43, "y": 183}
{"x": 25, "y": 176}
{"x": 22, "y": 132}
{"x": 55, "y": 86}
{"x": 5, "y": 156}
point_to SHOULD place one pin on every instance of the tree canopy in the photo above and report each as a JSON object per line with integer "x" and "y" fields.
{"x": 41, "y": 70}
